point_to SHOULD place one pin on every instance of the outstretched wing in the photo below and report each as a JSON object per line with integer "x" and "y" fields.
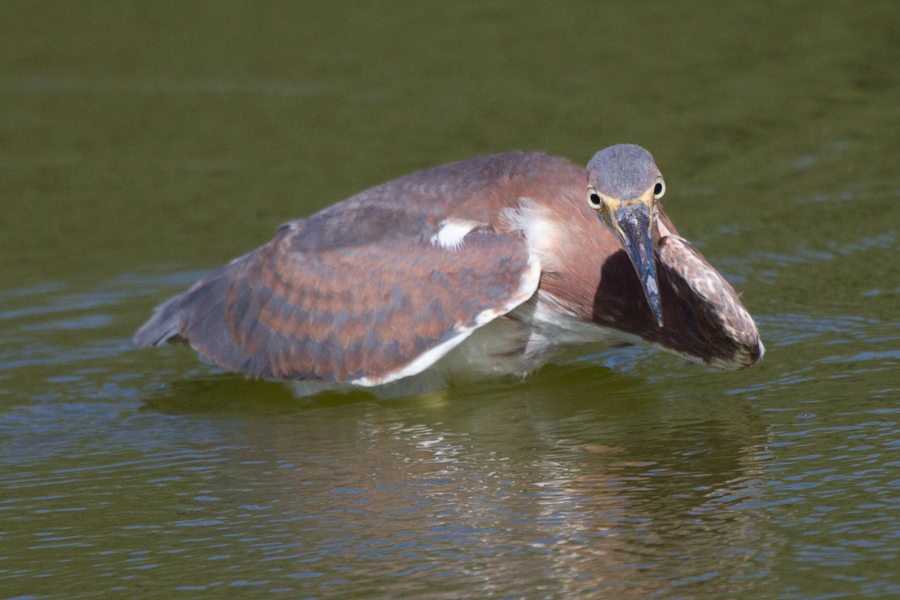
{"x": 366, "y": 314}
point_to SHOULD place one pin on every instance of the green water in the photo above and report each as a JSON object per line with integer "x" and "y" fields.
{"x": 144, "y": 143}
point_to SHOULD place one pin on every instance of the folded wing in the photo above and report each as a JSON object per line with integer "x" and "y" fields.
{"x": 366, "y": 314}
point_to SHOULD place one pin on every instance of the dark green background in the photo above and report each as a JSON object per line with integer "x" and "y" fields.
{"x": 142, "y": 143}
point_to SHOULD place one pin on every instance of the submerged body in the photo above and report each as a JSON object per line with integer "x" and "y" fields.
{"x": 380, "y": 287}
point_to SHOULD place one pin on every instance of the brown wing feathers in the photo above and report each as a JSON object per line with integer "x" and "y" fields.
{"x": 343, "y": 314}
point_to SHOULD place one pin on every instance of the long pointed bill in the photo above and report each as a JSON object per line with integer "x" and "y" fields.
{"x": 635, "y": 232}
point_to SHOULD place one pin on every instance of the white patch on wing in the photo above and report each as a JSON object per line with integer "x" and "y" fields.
{"x": 451, "y": 234}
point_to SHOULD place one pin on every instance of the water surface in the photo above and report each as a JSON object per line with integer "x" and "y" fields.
{"x": 142, "y": 145}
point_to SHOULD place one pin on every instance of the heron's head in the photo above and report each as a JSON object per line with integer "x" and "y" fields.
{"x": 624, "y": 186}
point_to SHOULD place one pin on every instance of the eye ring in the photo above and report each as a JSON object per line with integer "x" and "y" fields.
{"x": 659, "y": 189}
{"x": 594, "y": 199}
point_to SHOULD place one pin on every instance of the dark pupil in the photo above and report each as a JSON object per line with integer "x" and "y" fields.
{"x": 595, "y": 199}
{"x": 657, "y": 189}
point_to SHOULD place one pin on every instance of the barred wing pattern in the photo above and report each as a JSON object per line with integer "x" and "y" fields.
{"x": 364, "y": 314}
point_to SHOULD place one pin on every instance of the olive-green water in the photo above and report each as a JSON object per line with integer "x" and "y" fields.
{"x": 144, "y": 143}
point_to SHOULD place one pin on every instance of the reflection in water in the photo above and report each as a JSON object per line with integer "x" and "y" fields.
{"x": 522, "y": 492}
{"x": 490, "y": 492}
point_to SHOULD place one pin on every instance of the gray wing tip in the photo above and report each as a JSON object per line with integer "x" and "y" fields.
{"x": 161, "y": 328}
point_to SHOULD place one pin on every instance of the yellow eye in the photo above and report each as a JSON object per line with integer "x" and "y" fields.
{"x": 659, "y": 189}
{"x": 594, "y": 199}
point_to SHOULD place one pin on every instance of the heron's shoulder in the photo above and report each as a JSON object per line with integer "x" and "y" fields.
{"x": 485, "y": 183}
{"x": 412, "y": 208}
{"x": 493, "y": 167}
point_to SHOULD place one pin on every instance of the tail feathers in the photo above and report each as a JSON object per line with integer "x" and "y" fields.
{"x": 162, "y": 327}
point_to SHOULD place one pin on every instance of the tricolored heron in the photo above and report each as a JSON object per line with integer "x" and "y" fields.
{"x": 383, "y": 285}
